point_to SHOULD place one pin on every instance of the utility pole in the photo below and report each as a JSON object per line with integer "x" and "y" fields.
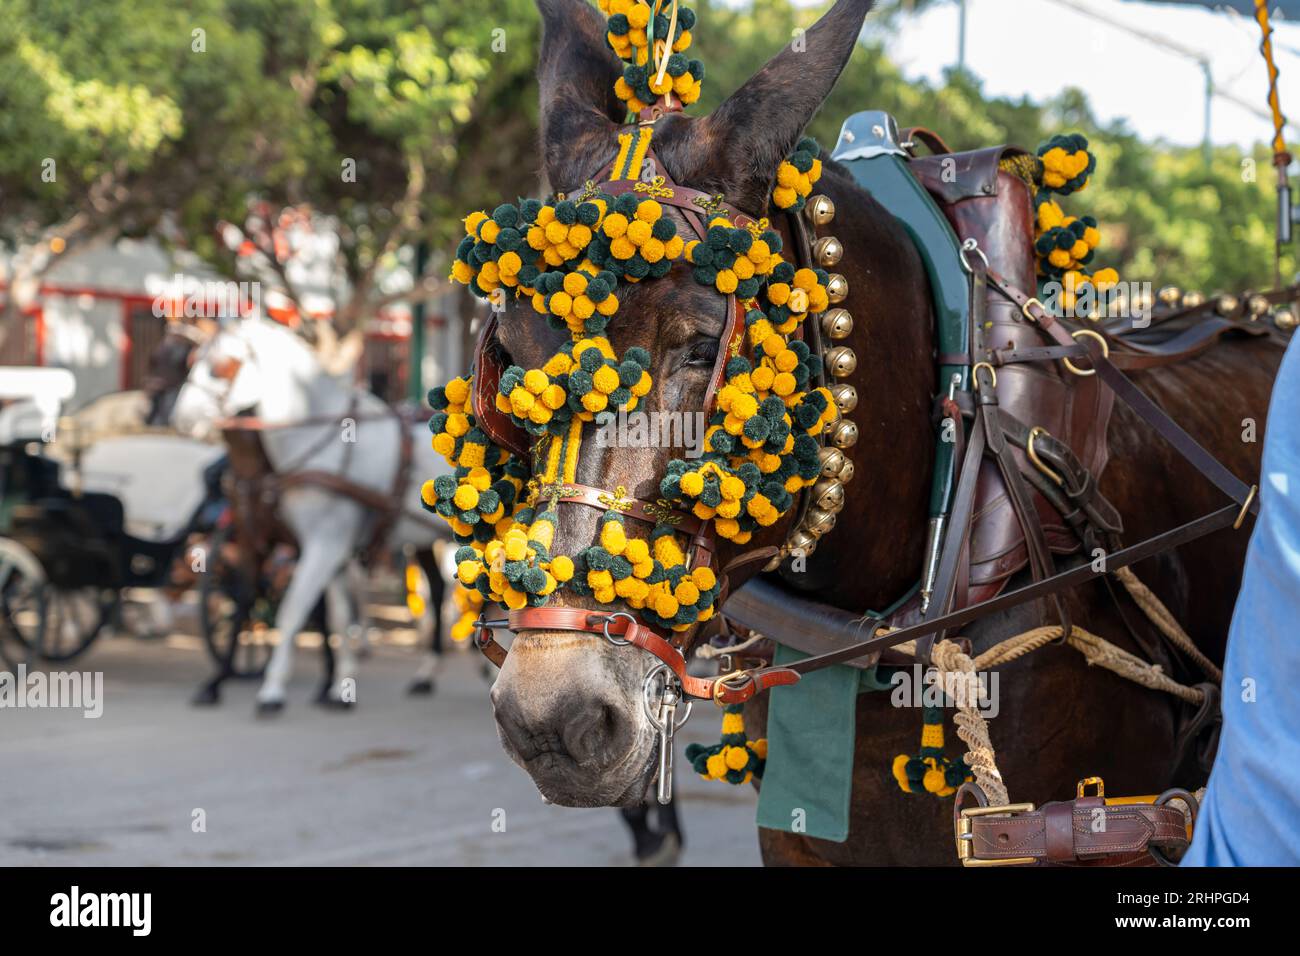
{"x": 961, "y": 35}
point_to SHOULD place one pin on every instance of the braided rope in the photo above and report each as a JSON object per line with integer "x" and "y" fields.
{"x": 1161, "y": 617}
{"x": 973, "y": 729}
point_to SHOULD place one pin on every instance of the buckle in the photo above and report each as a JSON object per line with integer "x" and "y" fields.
{"x": 965, "y": 835}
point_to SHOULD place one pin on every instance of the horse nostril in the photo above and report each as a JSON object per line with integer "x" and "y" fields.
{"x": 593, "y": 732}
{"x": 513, "y": 725}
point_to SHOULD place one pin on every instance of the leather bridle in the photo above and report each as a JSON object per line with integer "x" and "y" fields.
{"x": 624, "y": 627}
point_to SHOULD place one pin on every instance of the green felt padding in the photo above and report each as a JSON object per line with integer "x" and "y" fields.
{"x": 808, "y": 779}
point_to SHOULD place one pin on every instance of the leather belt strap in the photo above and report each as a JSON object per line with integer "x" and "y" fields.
{"x": 1084, "y": 831}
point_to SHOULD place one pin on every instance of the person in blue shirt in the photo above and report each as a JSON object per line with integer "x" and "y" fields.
{"x": 1251, "y": 812}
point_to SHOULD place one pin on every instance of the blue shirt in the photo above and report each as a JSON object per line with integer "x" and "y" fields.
{"x": 1251, "y": 812}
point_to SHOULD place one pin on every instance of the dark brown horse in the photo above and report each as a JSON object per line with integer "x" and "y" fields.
{"x": 568, "y": 705}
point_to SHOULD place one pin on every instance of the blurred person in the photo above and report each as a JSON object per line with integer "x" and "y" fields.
{"x": 1251, "y": 812}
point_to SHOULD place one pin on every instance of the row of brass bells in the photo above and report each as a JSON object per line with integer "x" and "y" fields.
{"x": 837, "y": 323}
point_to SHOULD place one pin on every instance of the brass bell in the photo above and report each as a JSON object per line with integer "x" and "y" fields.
{"x": 828, "y": 495}
{"x": 1226, "y": 304}
{"x": 845, "y": 474}
{"x": 828, "y": 251}
{"x": 1284, "y": 319}
{"x": 844, "y": 434}
{"x": 1192, "y": 299}
{"x": 818, "y": 522}
{"x": 837, "y": 323}
{"x": 846, "y": 397}
{"x": 1169, "y": 295}
{"x": 832, "y": 461}
{"x": 802, "y": 542}
{"x": 819, "y": 209}
{"x": 1257, "y": 305}
{"x": 837, "y": 288}
{"x": 841, "y": 361}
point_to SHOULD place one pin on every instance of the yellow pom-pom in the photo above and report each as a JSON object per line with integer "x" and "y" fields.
{"x": 736, "y": 757}
{"x": 562, "y": 567}
{"x": 692, "y": 484}
{"x": 900, "y": 772}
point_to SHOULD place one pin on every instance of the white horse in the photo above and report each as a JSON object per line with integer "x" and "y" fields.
{"x": 325, "y": 426}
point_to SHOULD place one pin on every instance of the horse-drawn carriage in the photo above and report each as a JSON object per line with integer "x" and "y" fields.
{"x": 77, "y": 530}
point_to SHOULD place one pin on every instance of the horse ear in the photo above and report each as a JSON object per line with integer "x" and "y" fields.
{"x": 576, "y": 72}
{"x": 738, "y": 147}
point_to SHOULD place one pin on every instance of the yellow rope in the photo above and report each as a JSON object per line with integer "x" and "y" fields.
{"x": 1266, "y": 48}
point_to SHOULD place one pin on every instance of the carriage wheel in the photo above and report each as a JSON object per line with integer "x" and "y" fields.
{"x": 53, "y": 623}
{"x": 233, "y": 615}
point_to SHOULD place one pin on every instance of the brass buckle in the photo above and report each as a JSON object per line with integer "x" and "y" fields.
{"x": 1105, "y": 352}
{"x": 738, "y": 677}
{"x": 1081, "y": 788}
{"x": 1024, "y": 309}
{"x": 965, "y": 835}
{"x": 993, "y": 375}
{"x": 1033, "y": 454}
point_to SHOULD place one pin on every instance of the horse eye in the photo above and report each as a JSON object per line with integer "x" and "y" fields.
{"x": 702, "y": 354}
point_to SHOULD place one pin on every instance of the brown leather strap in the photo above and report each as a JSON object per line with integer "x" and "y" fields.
{"x": 487, "y": 382}
{"x": 1072, "y": 577}
{"x": 726, "y": 689}
{"x": 1085, "y": 831}
{"x": 911, "y": 135}
{"x": 1150, "y": 412}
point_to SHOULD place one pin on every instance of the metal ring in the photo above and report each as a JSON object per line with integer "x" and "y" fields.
{"x": 971, "y": 245}
{"x": 604, "y": 628}
{"x": 726, "y": 680}
{"x": 1241, "y": 515}
{"x": 1105, "y": 352}
{"x": 1193, "y": 805}
{"x": 1033, "y": 455}
{"x": 993, "y": 373}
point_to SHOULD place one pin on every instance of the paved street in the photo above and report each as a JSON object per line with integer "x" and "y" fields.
{"x": 398, "y": 781}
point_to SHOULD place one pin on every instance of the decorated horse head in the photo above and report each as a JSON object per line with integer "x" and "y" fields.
{"x": 651, "y": 281}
